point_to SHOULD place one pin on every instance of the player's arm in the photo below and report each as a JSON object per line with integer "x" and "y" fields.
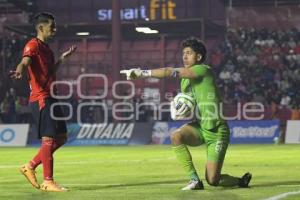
{"x": 190, "y": 73}
{"x": 64, "y": 56}
{"x": 174, "y": 72}
{"x": 17, "y": 74}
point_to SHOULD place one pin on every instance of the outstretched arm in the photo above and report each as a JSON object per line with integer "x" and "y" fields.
{"x": 64, "y": 56}
{"x": 173, "y": 72}
{"x": 160, "y": 73}
{"x": 17, "y": 74}
{"x": 26, "y": 61}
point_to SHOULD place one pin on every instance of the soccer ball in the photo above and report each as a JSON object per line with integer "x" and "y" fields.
{"x": 185, "y": 99}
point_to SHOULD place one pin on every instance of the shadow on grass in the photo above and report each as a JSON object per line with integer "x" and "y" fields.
{"x": 261, "y": 185}
{"x": 108, "y": 186}
{"x": 208, "y": 194}
{"x": 97, "y": 187}
{"x": 272, "y": 184}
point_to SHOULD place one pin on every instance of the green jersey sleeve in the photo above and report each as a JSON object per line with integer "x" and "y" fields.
{"x": 200, "y": 70}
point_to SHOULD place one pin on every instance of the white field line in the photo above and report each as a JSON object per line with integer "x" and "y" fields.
{"x": 105, "y": 184}
{"x": 283, "y": 195}
{"x": 92, "y": 184}
{"x": 116, "y": 184}
{"x": 97, "y": 162}
{"x": 287, "y": 185}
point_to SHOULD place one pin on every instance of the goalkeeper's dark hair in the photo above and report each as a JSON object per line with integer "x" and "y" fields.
{"x": 197, "y": 45}
{"x": 42, "y": 17}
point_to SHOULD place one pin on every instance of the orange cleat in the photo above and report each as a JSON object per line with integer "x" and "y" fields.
{"x": 51, "y": 186}
{"x": 30, "y": 175}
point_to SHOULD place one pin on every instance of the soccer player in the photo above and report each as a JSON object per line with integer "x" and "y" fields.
{"x": 197, "y": 79}
{"x": 38, "y": 60}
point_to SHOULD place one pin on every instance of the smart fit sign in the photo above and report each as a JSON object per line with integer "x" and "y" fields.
{"x": 156, "y": 10}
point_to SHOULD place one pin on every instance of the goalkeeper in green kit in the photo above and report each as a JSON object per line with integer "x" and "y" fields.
{"x": 208, "y": 128}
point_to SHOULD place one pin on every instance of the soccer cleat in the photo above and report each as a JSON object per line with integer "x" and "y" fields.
{"x": 51, "y": 186}
{"x": 245, "y": 180}
{"x": 194, "y": 185}
{"x": 30, "y": 175}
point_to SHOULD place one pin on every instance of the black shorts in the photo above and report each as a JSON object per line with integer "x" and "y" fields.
{"x": 47, "y": 126}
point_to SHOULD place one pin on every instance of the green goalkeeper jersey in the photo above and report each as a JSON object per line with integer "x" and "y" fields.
{"x": 204, "y": 90}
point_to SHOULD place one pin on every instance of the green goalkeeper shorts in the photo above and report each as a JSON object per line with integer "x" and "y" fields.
{"x": 216, "y": 140}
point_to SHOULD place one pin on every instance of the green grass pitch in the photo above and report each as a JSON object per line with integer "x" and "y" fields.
{"x": 151, "y": 172}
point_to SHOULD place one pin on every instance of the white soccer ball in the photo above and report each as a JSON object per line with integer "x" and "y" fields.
{"x": 185, "y": 99}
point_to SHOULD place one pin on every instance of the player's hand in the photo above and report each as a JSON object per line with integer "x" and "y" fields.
{"x": 132, "y": 74}
{"x": 14, "y": 74}
{"x": 69, "y": 52}
{"x": 180, "y": 111}
{"x": 173, "y": 111}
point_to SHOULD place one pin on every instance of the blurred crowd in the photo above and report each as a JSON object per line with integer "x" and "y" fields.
{"x": 14, "y": 109}
{"x": 260, "y": 66}
{"x": 13, "y": 101}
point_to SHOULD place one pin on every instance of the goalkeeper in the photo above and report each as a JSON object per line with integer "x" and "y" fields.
{"x": 197, "y": 79}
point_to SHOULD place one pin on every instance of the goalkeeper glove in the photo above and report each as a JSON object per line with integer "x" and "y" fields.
{"x": 136, "y": 73}
{"x": 180, "y": 111}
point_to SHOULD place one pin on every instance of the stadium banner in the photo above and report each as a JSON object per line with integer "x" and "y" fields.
{"x": 104, "y": 134}
{"x": 109, "y": 134}
{"x": 292, "y": 134}
{"x": 161, "y": 131}
{"x": 242, "y": 132}
{"x": 254, "y": 131}
{"x": 13, "y": 134}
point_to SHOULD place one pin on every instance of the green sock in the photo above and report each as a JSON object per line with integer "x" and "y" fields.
{"x": 185, "y": 158}
{"x": 228, "y": 181}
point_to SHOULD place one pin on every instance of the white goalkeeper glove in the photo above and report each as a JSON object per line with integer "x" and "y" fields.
{"x": 136, "y": 73}
{"x": 180, "y": 111}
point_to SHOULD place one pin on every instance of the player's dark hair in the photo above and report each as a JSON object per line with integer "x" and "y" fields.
{"x": 197, "y": 45}
{"x": 42, "y": 17}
